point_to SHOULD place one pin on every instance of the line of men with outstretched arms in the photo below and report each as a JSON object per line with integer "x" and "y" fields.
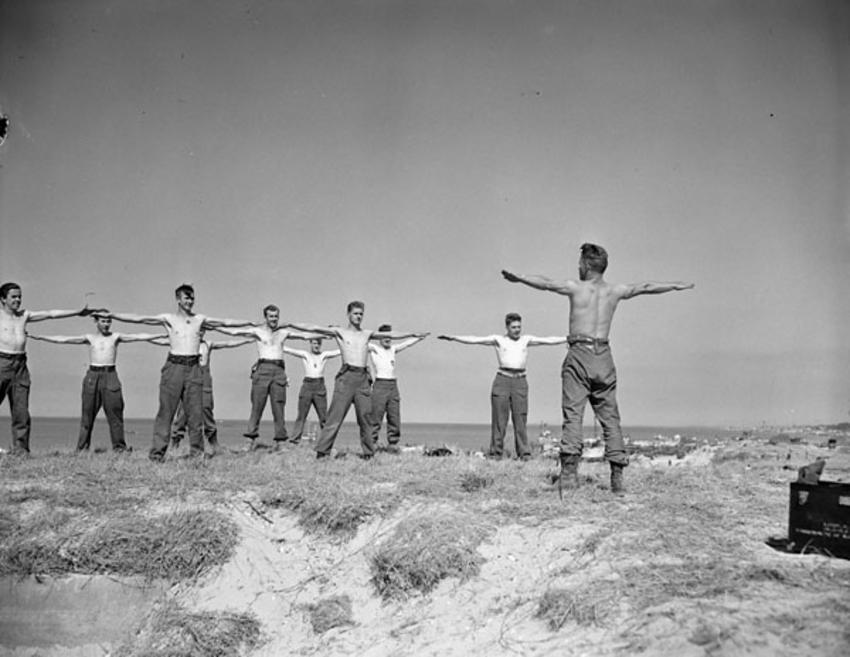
{"x": 185, "y": 389}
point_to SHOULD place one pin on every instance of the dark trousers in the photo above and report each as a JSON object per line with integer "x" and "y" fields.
{"x": 15, "y": 383}
{"x": 268, "y": 381}
{"x": 588, "y": 373}
{"x": 509, "y": 395}
{"x": 181, "y": 421}
{"x": 102, "y": 388}
{"x": 386, "y": 400}
{"x": 350, "y": 386}
{"x": 313, "y": 393}
{"x": 179, "y": 383}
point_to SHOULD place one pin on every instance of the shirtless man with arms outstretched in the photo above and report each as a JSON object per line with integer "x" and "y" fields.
{"x": 268, "y": 376}
{"x": 352, "y": 383}
{"x": 182, "y": 377}
{"x": 14, "y": 375}
{"x": 101, "y": 385}
{"x": 509, "y": 394}
{"x": 588, "y": 371}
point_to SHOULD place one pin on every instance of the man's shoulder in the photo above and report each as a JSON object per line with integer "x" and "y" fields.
{"x": 20, "y": 316}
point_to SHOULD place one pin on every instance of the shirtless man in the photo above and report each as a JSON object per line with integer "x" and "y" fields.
{"x": 352, "y": 383}
{"x": 509, "y": 393}
{"x": 385, "y": 395}
{"x": 313, "y": 392}
{"x": 14, "y": 375}
{"x": 588, "y": 370}
{"x": 268, "y": 376}
{"x": 181, "y": 378}
{"x": 101, "y": 385}
{"x": 181, "y": 421}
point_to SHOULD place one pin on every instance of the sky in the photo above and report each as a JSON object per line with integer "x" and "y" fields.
{"x": 308, "y": 152}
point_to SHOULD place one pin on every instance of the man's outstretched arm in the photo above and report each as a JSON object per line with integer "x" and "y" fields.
{"x": 60, "y": 339}
{"x": 213, "y": 323}
{"x": 152, "y": 320}
{"x": 298, "y": 353}
{"x": 410, "y": 342}
{"x": 540, "y": 282}
{"x": 396, "y": 335}
{"x": 237, "y": 332}
{"x": 487, "y": 341}
{"x": 41, "y": 315}
{"x": 323, "y": 331}
{"x": 143, "y": 337}
{"x": 534, "y": 341}
{"x": 298, "y": 335}
{"x": 649, "y": 287}
{"x": 230, "y": 344}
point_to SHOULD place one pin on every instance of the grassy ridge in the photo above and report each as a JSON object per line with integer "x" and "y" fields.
{"x": 684, "y": 540}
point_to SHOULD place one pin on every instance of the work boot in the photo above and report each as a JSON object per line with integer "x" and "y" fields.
{"x": 617, "y": 486}
{"x": 568, "y": 477}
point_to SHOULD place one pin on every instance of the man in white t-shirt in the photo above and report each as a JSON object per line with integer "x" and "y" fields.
{"x": 313, "y": 391}
{"x": 509, "y": 394}
{"x": 386, "y": 399}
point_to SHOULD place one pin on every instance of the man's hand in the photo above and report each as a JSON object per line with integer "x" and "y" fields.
{"x": 508, "y": 276}
{"x": 423, "y": 335}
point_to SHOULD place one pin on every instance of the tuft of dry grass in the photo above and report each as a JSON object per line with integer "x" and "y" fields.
{"x": 175, "y": 546}
{"x": 422, "y": 551}
{"x": 589, "y": 604}
{"x": 329, "y": 613}
{"x": 331, "y": 507}
{"x": 472, "y": 481}
{"x": 173, "y": 631}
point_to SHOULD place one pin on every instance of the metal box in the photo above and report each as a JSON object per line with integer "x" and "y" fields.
{"x": 819, "y": 518}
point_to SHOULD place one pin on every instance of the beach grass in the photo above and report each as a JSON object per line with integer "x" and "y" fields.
{"x": 425, "y": 549}
{"x": 170, "y": 630}
{"x": 329, "y": 613}
{"x": 180, "y": 545}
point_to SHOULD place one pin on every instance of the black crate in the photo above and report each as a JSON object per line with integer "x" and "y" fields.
{"x": 819, "y": 518}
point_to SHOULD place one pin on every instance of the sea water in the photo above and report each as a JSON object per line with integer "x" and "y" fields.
{"x": 52, "y": 434}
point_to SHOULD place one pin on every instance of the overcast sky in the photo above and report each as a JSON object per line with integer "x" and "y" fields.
{"x": 402, "y": 152}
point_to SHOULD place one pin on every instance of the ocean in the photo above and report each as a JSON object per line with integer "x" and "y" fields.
{"x": 51, "y": 434}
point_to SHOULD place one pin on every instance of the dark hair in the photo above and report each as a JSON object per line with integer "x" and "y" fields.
{"x": 595, "y": 257}
{"x": 384, "y": 328}
{"x": 319, "y": 340}
{"x": 355, "y": 304}
{"x": 103, "y": 315}
{"x": 184, "y": 288}
{"x": 510, "y": 318}
{"x": 8, "y": 287}
{"x": 271, "y": 306}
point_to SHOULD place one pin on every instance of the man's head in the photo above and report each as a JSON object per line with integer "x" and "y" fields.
{"x": 103, "y": 323}
{"x": 513, "y": 325}
{"x": 355, "y": 312}
{"x": 11, "y": 295}
{"x": 316, "y": 345}
{"x": 385, "y": 342}
{"x": 593, "y": 260}
{"x": 272, "y": 315}
{"x": 185, "y": 295}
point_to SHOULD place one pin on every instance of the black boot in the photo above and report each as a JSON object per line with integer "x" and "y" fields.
{"x": 568, "y": 477}
{"x": 617, "y": 479}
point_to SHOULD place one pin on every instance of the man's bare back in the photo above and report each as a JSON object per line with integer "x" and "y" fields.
{"x": 593, "y": 300}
